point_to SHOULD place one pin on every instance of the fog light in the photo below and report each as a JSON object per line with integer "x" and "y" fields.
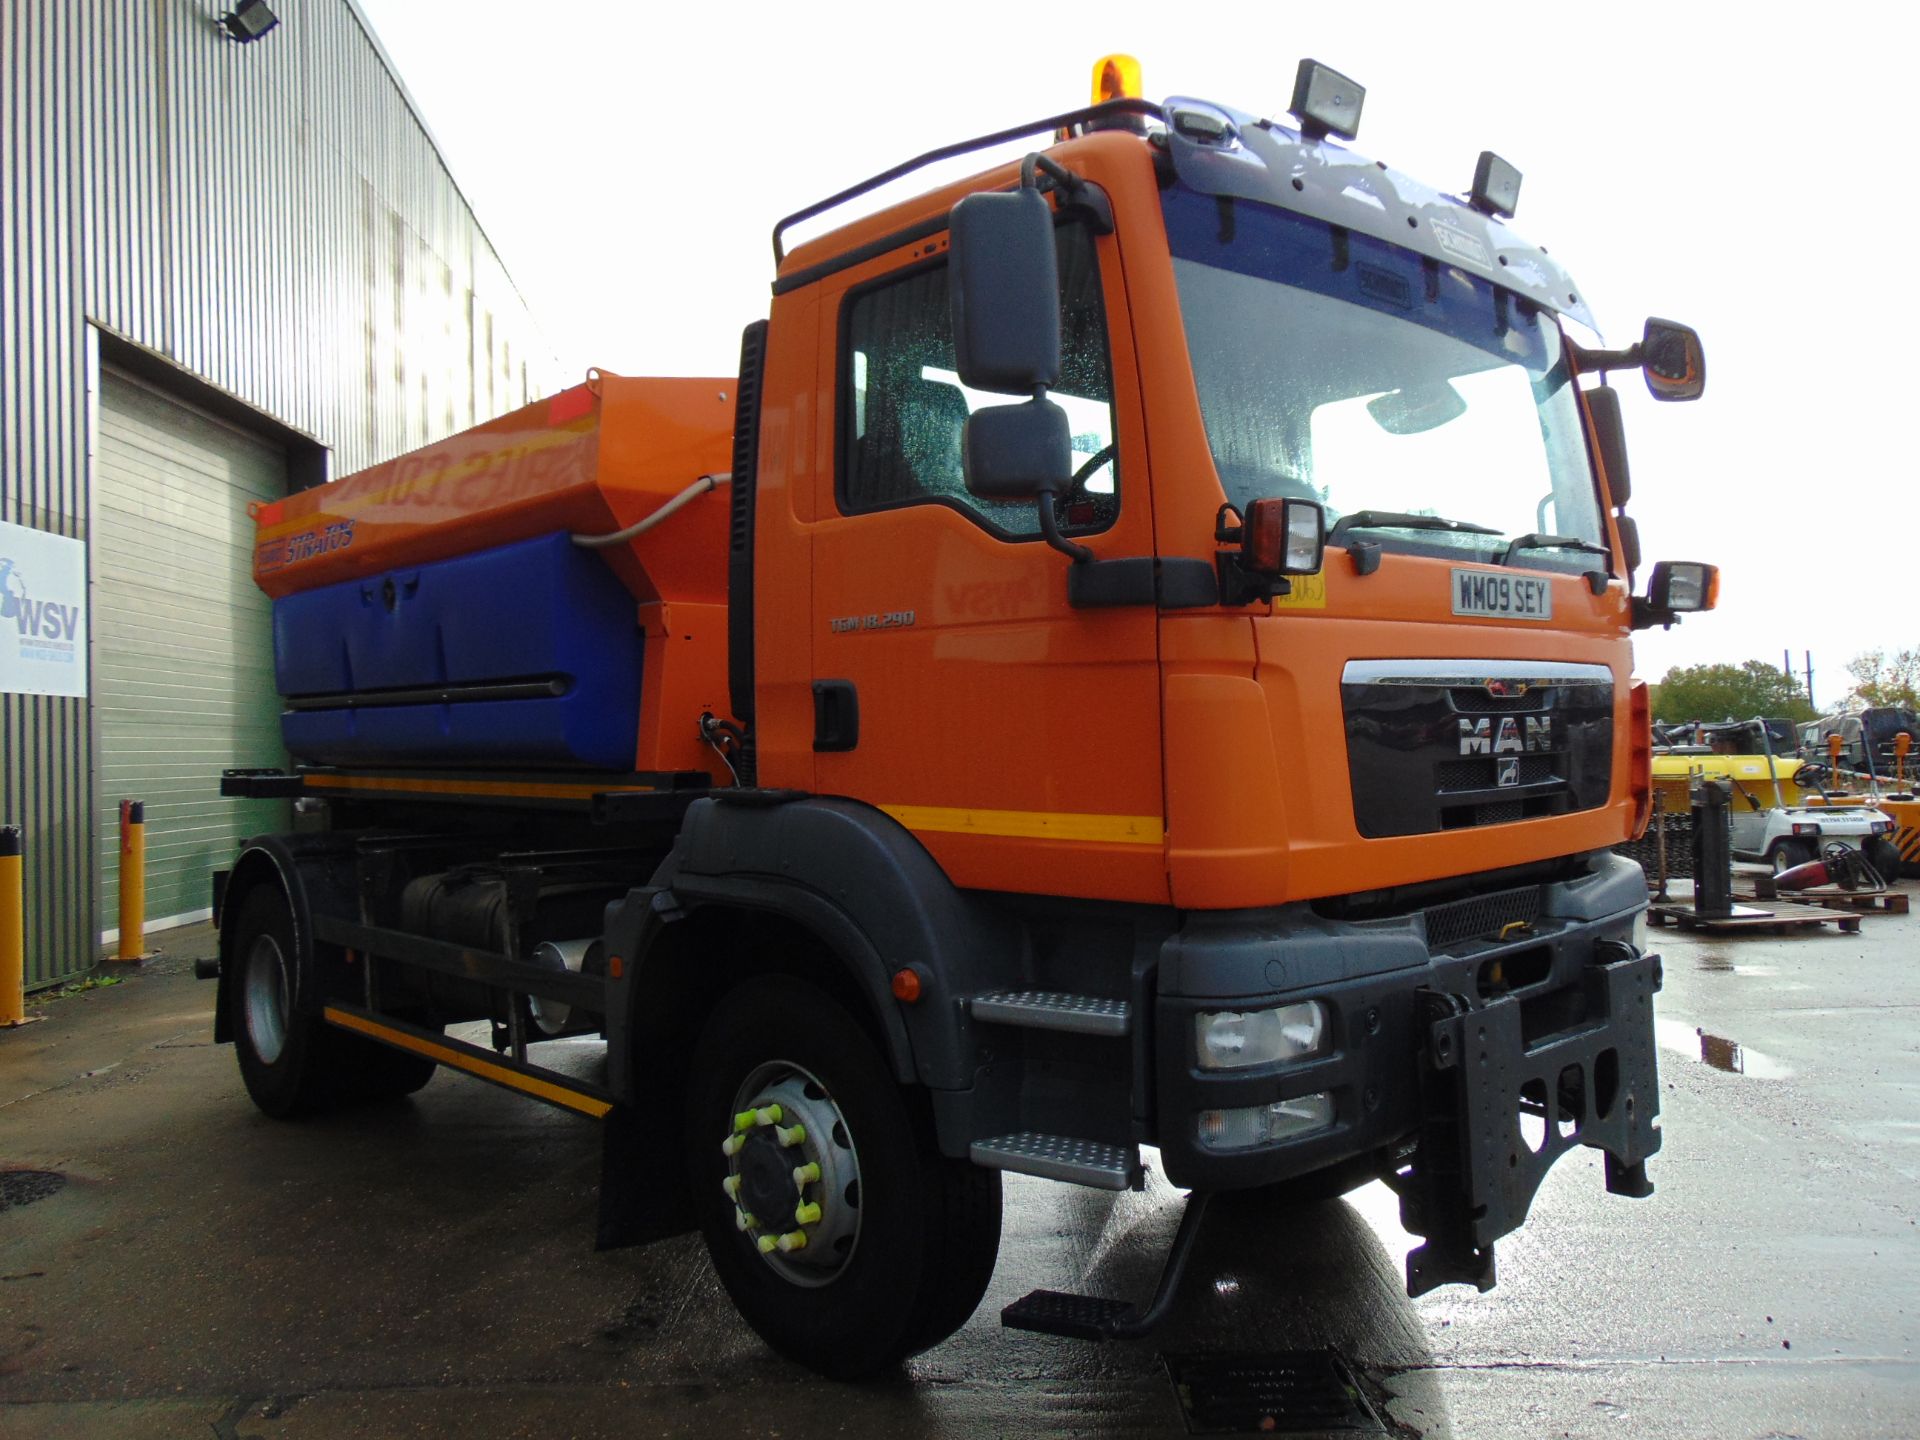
{"x": 1236, "y": 1039}
{"x": 1265, "y": 1124}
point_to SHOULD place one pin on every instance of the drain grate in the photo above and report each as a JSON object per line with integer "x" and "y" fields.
{"x": 23, "y": 1187}
{"x": 1286, "y": 1393}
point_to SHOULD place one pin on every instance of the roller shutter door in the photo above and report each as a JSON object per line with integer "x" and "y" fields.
{"x": 182, "y": 641}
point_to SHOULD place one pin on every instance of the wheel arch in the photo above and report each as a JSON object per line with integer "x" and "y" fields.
{"x": 862, "y": 889}
{"x": 830, "y": 891}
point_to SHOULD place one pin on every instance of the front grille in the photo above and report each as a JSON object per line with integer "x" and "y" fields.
{"x": 1427, "y": 749}
{"x": 1482, "y": 917}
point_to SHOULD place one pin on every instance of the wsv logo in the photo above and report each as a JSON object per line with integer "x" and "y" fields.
{"x": 34, "y": 619}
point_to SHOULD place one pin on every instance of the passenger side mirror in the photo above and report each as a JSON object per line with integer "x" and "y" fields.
{"x": 1018, "y": 452}
{"x": 1673, "y": 360}
{"x": 1004, "y": 280}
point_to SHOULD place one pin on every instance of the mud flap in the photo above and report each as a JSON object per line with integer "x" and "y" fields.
{"x": 1474, "y": 1174}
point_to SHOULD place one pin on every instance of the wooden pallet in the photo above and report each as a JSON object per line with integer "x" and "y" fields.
{"x": 1774, "y": 917}
{"x": 1865, "y": 902}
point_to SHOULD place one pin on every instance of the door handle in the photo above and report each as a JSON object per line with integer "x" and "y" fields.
{"x": 836, "y": 715}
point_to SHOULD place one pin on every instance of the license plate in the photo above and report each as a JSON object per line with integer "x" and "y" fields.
{"x": 1511, "y": 597}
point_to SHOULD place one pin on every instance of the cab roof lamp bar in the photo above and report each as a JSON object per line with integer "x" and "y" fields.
{"x": 1496, "y": 186}
{"x": 1325, "y": 102}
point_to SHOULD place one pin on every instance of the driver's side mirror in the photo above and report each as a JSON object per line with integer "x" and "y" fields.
{"x": 1669, "y": 354}
{"x": 1673, "y": 360}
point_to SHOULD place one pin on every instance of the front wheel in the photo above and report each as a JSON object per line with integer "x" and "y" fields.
{"x": 1786, "y": 854}
{"x": 846, "y": 1240}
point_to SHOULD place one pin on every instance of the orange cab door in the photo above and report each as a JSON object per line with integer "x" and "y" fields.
{"x": 1017, "y": 736}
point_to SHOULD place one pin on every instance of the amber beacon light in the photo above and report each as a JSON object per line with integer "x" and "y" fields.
{"x": 1116, "y": 77}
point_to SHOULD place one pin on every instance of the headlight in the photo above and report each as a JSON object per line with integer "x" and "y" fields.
{"x": 1640, "y": 932}
{"x": 1881, "y": 827}
{"x": 1238, "y": 1039}
{"x": 1265, "y": 1124}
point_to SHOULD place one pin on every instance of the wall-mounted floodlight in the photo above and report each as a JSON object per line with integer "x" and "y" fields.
{"x": 1496, "y": 186}
{"x": 249, "y": 20}
{"x": 1326, "y": 102}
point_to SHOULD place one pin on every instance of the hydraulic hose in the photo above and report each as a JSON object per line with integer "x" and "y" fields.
{"x": 640, "y": 527}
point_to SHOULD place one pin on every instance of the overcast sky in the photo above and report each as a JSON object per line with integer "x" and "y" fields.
{"x": 629, "y": 163}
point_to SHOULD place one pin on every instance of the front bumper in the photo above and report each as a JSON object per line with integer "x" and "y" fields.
{"x": 1464, "y": 1068}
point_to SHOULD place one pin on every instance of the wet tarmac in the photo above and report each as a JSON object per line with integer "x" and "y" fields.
{"x": 173, "y": 1263}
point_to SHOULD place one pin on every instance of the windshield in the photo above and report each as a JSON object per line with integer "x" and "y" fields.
{"x": 1397, "y": 391}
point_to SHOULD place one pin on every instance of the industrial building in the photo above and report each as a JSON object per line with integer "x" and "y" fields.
{"x": 232, "y": 263}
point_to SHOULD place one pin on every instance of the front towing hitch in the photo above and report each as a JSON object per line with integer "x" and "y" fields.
{"x": 1474, "y": 1172}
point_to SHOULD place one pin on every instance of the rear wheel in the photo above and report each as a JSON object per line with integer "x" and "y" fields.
{"x": 292, "y": 1063}
{"x": 846, "y": 1240}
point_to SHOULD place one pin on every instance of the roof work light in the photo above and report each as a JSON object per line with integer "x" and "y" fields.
{"x": 1496, "y": 186}
{"x": 1326, "y": 102}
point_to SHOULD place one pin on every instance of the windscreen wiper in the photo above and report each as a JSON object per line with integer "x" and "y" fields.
{"x": 1394, "y": 520}
{"x": 1552, "y": 542}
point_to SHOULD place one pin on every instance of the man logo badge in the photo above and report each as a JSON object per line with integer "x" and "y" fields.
{"x": 1506, "y": 771}
{"x": 1479, "y": 737}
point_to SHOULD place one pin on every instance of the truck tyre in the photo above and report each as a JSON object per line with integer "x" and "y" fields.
{"x": 1786, "y": 854}
{"x": 295, "y": 1064}
{"x": 846, "y": 1240}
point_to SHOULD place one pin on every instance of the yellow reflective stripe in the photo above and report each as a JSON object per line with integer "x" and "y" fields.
{"x": 472, "y": 1064}
{"x": 1031, "y": 824}
{"x": 424, "y": 786}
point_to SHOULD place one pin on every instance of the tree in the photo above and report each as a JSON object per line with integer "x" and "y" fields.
{"x": 1883, "y": 679}
{"x": 1721, "y": 692}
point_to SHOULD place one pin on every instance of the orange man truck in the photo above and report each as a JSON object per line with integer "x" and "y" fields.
{"x": 1138, "y": 658}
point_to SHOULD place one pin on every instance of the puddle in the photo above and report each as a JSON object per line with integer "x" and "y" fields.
{"x": 23, "y": 1187}
{"x": 1718, "y": 1051}
{"x": 1721, "y": 965}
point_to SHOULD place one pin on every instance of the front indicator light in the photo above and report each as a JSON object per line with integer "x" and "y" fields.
{"x": 1239, "y": 1039}
{"x": 1253, "y": 1125}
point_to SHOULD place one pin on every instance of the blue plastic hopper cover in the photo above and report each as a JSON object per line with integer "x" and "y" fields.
{"x": 536, "y": 611}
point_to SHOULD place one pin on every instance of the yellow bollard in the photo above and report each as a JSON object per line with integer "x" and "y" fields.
{"x": 133, "y": 881}
{"x": 13, "y": 933}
